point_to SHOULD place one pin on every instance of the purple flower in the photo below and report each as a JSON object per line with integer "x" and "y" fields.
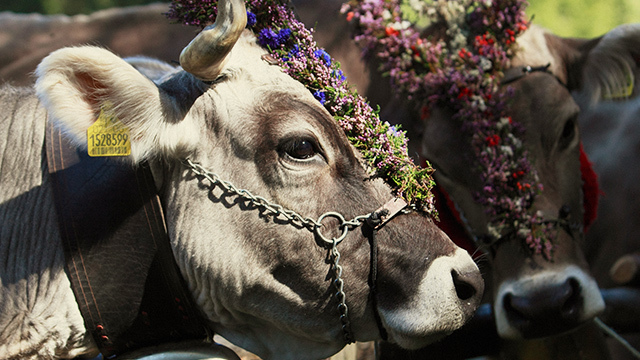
{"x": 251, "y": 19}
{"x": 294, "y": 51}
{"x": 268, "y": 38}
{"x": 283, "y": 35}
{"x": 323, "y": 55}
{"x": 321, "y": 96}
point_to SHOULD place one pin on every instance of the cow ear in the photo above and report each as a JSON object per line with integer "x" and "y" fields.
{"x": 609, "y": 68}
{"x": 76, "y": 84}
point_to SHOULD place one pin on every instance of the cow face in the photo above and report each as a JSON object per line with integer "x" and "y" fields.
{"x": 260, "y": 280}
{"x": 535, "y": 297}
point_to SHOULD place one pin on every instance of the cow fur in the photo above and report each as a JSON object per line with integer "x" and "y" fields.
{"x": 39, "y": 317}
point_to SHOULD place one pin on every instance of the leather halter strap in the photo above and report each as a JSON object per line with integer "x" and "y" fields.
{"x": 516, "y": 73}
{"x": 118, "y": 257}
{"x": 375, "y": 221}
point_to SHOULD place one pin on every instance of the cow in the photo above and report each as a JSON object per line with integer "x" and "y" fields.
{"x": 25, "y": 39}
{"x": 258, "y": 279}
{"x": 532, "y": 298}
{"x": 609, "y": 129}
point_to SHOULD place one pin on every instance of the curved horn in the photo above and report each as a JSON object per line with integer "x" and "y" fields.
{"x": 205, "y": 55}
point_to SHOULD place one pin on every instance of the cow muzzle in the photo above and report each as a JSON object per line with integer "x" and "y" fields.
{"x": 448, "y": 295}
{"x": 546, "y": 304}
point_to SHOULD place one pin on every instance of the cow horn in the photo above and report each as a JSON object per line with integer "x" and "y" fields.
{"x": 205, "y": 55}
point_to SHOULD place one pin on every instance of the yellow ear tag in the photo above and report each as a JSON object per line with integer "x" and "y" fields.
{"x": 108, "y": 136}
{"x": 623, "y": 93}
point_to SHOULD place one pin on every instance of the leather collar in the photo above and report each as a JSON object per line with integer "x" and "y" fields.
{"x": 118, "y": 256}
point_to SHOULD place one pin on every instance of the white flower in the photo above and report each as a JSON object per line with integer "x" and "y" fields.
{"x": 494, "y": 233}
{"x": 400, "y": 25}
{"x": 515, "y": 141}
{"x": 478, "y": 102}
{"x": 502, "y": 123}
{"x": 418, "y": 5}
{"x": 386, "y": 14}
{"x": 507, "y": 150}
{"x": 485, "y": 63}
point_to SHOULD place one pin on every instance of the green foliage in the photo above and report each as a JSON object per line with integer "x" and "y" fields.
{"x": 583, "y": 18}
{"x": 69, "y": 7}
{"x": 576, "y": 18}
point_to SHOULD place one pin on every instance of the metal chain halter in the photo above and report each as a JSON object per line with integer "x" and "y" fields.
{"x": 294, "y": 218}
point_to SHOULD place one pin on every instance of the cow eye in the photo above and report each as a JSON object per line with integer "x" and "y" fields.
{"x": 300, "y": 149}
{"x": 568, "y": 132}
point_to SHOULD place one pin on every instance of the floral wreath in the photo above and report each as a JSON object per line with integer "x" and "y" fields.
{"x": 383, "y": 146}
{"x": 463, "y": 72}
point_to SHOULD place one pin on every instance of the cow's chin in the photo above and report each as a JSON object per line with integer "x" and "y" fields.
{"x": 419, "y": 323}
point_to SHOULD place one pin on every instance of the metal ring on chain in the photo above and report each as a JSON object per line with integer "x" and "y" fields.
{"x": 343, "y": 225}
{"x": 295, "y": 218}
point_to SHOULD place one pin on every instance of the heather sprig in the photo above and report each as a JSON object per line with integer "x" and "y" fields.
{"x": 462, "y": 71}
{"x": 291, "y": 44}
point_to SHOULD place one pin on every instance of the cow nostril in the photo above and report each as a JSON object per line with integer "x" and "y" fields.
{"x": 508, "y": 306}
{"x": 571, "y": 307}
{"x": 464, "y": 287}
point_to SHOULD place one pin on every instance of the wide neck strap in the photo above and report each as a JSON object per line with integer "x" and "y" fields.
{"x": 118, "y": 256}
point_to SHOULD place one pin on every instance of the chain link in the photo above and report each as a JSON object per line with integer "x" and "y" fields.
{"x": 276, "y": 209}
{"x": 338, "y": 283}
{"x": 296, "y": 219}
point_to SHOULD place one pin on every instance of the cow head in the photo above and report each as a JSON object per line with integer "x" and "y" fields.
{"x": 259, "y": 280}
{"x": 534, "y": 296}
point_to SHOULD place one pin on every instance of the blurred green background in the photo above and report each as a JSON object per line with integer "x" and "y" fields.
{"x": 579, "y": 18}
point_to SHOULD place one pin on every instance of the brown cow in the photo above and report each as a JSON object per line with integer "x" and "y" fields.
{"x": 532, "y": 297}
{"x": 25, "y": 39}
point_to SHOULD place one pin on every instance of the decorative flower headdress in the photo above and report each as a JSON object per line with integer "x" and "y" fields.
{"x": 462, "y": 72}
{"x": 292, "y": 46}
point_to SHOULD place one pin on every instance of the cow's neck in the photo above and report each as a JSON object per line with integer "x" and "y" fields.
{"x": 39, "y": 317}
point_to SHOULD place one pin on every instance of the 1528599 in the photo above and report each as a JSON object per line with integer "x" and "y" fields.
{"x": 108, "y": 139}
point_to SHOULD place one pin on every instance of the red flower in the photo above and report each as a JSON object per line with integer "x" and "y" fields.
{"x": 493, "y": 140}
{"x": 517, "y": 174}
{"x": 350, "y": 16}
{"x": 464, "y": 53}
{"x": 464, "y": 92}
{"x": 391, "y": 31}
{"x": 523, "y": 186}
